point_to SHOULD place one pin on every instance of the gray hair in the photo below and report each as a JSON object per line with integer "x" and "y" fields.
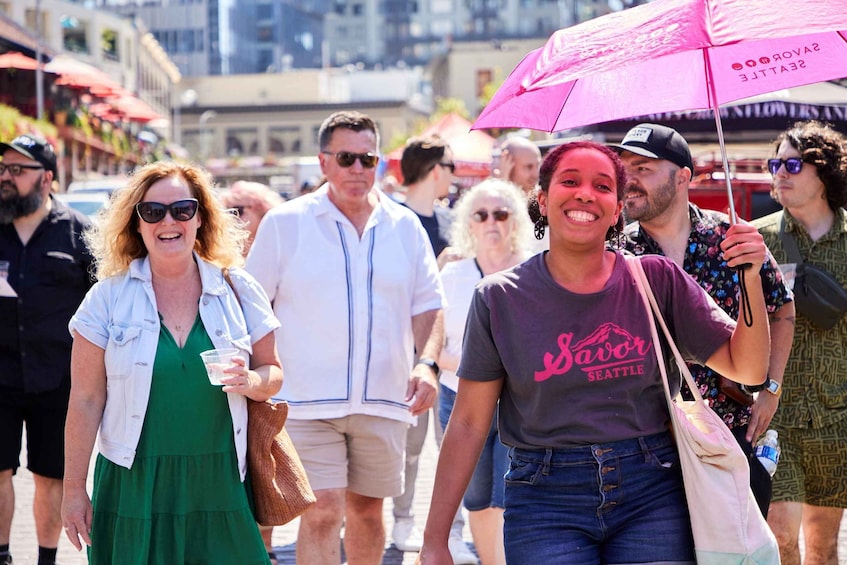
{"x": 461, "y": 237}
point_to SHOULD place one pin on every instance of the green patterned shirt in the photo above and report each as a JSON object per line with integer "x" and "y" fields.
{"x": 815, "y": 385}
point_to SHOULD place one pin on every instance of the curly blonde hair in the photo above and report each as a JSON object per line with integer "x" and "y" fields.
{"x": 461, "y": 236}
{"x": 114, "y": 240}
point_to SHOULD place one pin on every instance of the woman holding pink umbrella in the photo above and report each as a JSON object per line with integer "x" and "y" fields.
{"x": 563, "y": 342}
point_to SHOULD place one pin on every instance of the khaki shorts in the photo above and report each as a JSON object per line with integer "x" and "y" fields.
{"x": 363, "y": 454}
{"x": 811, "y": 466}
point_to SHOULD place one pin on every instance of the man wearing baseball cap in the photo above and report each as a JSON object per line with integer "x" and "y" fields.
{"x": 48, "y": 276}
{"x": 659, "y": 168}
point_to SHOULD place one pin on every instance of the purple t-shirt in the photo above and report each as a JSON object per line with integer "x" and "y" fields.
{"x": 581, "y": 369}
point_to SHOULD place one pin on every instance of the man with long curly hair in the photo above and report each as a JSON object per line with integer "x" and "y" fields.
{"x": 810, "y": 485}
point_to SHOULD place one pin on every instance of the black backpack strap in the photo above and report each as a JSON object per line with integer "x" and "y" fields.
{"x": 789, "y": 243}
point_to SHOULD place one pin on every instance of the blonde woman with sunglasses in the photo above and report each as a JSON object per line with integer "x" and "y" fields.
{"x": 169, "y": 476}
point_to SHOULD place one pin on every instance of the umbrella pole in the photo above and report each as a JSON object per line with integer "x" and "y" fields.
{"x": 716, "y": 110}
{"x": 733, "y": 218}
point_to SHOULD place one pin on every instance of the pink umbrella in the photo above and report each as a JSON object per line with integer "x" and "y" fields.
{"x": 672, "y": 55}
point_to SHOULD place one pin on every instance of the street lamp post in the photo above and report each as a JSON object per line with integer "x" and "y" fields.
{"x": 204, "y": 134}
{"x": 186, "y": 98}
{"x": 39, "y": 65}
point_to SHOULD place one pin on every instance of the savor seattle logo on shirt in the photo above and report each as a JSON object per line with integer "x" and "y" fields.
{"x": 610, "y": 352}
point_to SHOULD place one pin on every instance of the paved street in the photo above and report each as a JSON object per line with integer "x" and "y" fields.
{"x": 24, "y": 546}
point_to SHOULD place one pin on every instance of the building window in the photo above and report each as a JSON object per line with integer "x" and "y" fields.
{"x": 284, "y": 140}
{"x": 109, "y": 44}
{"x": 483, "y": 79}
{"x": 239, "y": 139}
{"x": 74, "y": 35}
{"x": 442, "y": 27}
{"x": 265, "y": 12}
{"x": 441, "y": 7}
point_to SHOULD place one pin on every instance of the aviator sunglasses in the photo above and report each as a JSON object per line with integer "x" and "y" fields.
{"x": 346, "y": 159}
{"x": 793, "y": 165}
{"x": 154, "y": 212}
{"x": 482, "y": 215}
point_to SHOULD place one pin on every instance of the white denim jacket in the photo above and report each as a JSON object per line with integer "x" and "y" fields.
{"x": 119, "y": 315}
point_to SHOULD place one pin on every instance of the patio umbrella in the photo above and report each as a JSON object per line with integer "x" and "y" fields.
{"x": 77, "y": 74}
{"x": 17, "y": 60}
{"x": 672, "y": 55}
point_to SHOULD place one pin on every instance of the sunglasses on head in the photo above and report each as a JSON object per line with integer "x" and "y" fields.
{"x": 154, "y": 212}
{"x": 793, "y": 165}
{"x": 346, "y": 159}
{"x": 482, "y": 215}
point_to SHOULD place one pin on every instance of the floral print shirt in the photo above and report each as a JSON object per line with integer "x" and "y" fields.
{"x": 704, "y": 261}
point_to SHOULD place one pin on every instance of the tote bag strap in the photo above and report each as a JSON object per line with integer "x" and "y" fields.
{"x": 637, "y": 270}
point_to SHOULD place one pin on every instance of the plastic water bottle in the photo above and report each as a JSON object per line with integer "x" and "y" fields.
{"x": 767, "y": 451}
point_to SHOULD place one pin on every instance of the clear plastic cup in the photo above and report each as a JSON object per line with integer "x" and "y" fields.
{"x": 217, "y": 361}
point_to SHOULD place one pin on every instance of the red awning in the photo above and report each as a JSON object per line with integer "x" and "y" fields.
{"x": 76, "y": 74}
{"x": 17, "y": 60}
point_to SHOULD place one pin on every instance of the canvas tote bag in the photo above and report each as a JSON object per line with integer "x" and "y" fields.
{"x": 725, "y": 519}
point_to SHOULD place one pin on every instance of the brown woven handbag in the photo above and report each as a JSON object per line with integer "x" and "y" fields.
{"x": 281, "y": 490}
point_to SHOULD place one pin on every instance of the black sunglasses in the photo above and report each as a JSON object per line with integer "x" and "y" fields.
{"x": 793, "y": 165}
{"x": 236, "y": 211}
{"x": 16, "y": 170}
{"x": 451, "y": 166}
{"x": 499, "y": 215}
{"x": 154, "y": 212}
{"x": 346, "y": 159}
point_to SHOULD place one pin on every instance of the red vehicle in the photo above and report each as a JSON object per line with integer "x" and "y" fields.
{"x": 750, "y": 188}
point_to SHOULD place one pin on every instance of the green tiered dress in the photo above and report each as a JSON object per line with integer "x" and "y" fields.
{"x": 182, "y": 502}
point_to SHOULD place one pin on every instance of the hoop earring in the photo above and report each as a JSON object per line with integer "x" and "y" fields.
{"x": 620, "y": 240}
{"x": 540, "y": 226}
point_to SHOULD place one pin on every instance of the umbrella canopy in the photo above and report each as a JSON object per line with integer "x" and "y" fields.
{"x": 672, "y": 55}
{"x": 76, "y": 74}
{"x": 17, "y": 60}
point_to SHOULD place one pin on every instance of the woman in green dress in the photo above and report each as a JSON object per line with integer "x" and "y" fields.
{"x": 169, "y": 476}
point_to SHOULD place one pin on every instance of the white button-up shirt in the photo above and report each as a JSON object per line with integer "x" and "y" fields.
{"x": 346, "y": 304}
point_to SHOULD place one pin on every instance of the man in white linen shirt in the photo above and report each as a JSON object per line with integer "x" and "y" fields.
{"x": 354, "y": 282}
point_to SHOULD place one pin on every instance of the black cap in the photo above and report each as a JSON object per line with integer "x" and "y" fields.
{"x": 657, "y": 142}
{"x": 34, "y": 148}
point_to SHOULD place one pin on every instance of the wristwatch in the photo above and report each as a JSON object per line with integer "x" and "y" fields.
{"x": 773, "y": 387}
{"x": 431, "y": 364}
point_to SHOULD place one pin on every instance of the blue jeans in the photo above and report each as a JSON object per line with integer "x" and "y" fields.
{"x": 619, "y": 502}
{"x": 487, "y": 487}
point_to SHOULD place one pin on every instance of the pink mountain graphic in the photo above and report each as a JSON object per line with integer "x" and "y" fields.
{"x": 604, "y": 334}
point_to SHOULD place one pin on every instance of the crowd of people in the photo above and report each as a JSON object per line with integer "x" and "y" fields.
{"x": 389, "y": 316}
